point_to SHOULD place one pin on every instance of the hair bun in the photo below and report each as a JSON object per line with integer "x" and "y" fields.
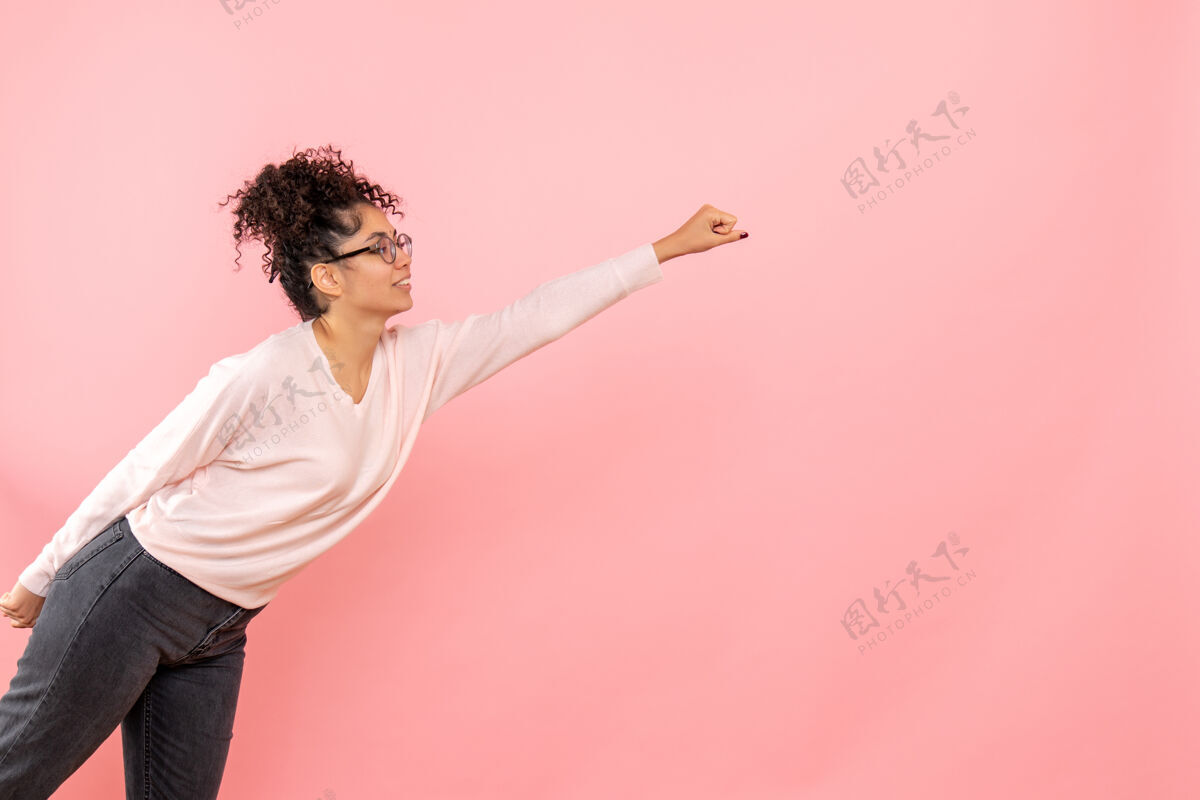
{"x": 302, "y": 210}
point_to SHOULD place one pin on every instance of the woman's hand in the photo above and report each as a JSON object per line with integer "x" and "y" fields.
{"x": 707, "y": 228}
{"x": 22, "y": 606}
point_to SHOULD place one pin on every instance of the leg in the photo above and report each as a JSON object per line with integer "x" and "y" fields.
{"x": 83, "y": 667}
{"x": 113, "y": 618}
{"x": 176, "y": 737}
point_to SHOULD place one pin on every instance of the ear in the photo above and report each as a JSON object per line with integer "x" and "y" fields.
{"x": 323, "y": 277}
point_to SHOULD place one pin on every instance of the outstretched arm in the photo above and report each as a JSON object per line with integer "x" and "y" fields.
{"x": 453, "y": 357}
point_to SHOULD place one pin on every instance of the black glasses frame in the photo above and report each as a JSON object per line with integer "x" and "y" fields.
{"x": 405, "y": 244}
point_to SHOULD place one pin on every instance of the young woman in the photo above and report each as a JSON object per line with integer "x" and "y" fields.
{"x": 143, "y": 597}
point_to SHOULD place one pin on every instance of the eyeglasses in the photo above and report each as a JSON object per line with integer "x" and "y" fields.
{"x": 385, "y": 247}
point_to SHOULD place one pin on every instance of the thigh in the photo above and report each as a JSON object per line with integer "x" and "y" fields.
{"x": 84, "y": 664}
{"x": 112, "y": 616}
{"x": 176, "y": 737}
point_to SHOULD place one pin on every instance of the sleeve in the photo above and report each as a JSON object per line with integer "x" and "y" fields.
{"x": 453, "y": 357}
{"x": 192, "y": 435}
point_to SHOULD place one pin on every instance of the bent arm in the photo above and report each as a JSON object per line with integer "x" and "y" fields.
{"x": 192, "y": 434}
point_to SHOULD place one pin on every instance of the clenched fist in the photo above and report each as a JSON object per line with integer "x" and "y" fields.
{"x": 708, "y": 227}
{"x": 22, "y": 606}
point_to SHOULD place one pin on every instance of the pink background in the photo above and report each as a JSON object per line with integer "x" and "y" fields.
{"x": 621, "y": 567}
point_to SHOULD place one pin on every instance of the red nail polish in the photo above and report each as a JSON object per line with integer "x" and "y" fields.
{"x": 744, "y": 234}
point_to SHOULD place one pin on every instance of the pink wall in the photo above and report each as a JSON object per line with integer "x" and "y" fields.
{"x": 622, "y": 567}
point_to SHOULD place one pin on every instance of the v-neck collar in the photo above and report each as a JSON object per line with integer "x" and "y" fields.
{"x": 372, "y": 379}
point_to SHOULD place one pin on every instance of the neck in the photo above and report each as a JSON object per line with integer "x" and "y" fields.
{"x": 349, "y": 345}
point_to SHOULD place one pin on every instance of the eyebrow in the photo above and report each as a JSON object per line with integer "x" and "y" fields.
{"x": 380, "y": 233}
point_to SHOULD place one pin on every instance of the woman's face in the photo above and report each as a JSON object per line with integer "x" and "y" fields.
{"x": 366, "y": 282}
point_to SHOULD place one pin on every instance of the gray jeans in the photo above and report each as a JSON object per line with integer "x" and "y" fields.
{"x": 125, "y": 640}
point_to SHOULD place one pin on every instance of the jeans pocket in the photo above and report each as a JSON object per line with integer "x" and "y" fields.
{"x": 109, "y": 536}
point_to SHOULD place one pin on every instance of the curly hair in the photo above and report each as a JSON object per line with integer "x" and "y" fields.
{"x": 302, "y": 210}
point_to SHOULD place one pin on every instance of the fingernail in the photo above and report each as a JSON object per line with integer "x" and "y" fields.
{"x": 744, "y": 234}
